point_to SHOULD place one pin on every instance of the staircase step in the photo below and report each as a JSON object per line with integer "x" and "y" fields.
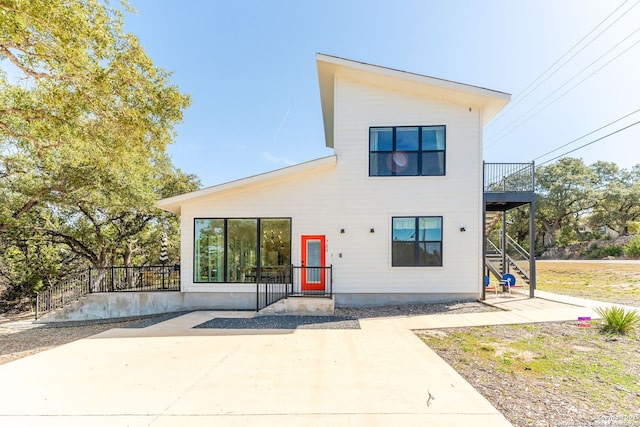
{"x": 300, "y": 306}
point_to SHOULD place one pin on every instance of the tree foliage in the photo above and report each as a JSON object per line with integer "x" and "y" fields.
{"x": 572, "y": 196}
{"x": 618, "y": 198}
{"x": 566, "y": 190}
{"x": 85, "y": 119}
{"x": 84, "y": 98}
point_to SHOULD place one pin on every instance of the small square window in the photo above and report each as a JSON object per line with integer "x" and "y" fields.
{"x": 416, "y": 241}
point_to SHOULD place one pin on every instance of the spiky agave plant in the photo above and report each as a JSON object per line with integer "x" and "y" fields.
{"x": 618, "y": 320}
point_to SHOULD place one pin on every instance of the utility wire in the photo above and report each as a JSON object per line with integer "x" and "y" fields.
{"x": 589, "y": 143}
{"x": 585, "y": 135}
{"x": 525, "y": 92}
{"x": 496, "y": 138}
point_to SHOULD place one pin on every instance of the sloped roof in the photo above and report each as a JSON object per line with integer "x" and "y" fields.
{"x": 489, "y": 101}
{"x": 329, "y": 67}
{"x": 174, "y": 204}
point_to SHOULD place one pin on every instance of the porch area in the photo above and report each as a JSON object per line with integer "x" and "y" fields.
{"x": 295, "y": 282}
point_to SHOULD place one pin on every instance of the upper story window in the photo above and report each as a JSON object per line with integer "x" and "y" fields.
{"x": 407, "y": 151}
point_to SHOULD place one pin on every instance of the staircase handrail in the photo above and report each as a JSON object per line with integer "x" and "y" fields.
{"x": 509, "y": 260}
{"x": 493, "y": 246}
{"x": 522, "y": 251}
{"x": 61, "y": 294}
{"x": 493, "y": 270}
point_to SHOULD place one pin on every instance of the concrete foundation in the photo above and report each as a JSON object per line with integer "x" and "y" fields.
{"x": 367, "y": 300}
{"x": 112, "y": 305}
{"x": 130, "y": 304}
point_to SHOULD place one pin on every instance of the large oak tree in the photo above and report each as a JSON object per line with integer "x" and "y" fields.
{"x": 85, "y": 119}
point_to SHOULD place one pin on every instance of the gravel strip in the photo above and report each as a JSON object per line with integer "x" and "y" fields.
{"x": 455, "y": 307}
{"x": 283, "y": 322}
{"x": 24, "y": 338}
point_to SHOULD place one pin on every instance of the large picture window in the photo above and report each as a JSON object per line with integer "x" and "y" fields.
{"x": 417, "y": 241}
{"x": 407, "y": 151}
{"x": 231, "y": 250}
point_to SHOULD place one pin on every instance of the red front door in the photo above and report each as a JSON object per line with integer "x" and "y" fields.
{"x": 313, "y": 262}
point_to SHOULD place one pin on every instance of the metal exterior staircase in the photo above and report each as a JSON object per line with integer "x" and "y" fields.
{"x": 495, "y": 259}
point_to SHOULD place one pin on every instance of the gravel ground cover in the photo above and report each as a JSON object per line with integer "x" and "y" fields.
{"x": 283, "y": 322}
{"x": 549, "y": 374}
{"x": 23, "y": 338}
{"x": 455, "y": 307}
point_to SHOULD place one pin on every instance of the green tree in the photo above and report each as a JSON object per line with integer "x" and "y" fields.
{"x": 85, "y": 118}
{"x": 618, "y": 196}
{"x": 113, "y": 225}
{"x": 565, "y": 192}
{"x": 85, "y": 94}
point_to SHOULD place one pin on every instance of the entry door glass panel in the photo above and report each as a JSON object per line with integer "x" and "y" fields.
{"x": 313, "y": 261}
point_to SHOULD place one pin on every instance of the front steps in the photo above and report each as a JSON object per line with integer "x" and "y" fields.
{"x": 300, "y": 306}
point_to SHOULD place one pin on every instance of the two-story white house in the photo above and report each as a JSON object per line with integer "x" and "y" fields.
{"x": 395, "y": 215}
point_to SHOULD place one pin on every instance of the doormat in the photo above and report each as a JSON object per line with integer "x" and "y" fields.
{"x": 282, "y": 322}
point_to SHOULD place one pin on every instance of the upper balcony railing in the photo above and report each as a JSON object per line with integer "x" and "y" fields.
{"x": 509, "y": 177}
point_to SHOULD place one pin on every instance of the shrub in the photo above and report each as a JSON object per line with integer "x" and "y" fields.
{"x": 632, "y": 250}
{"x": 618, "y": 320}
{"x": 596, "y": 251}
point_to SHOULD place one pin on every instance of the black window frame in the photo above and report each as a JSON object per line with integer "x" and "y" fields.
{"x": 420, "y": 167}
{"x": 416, "y": 242}
{"x": 225, "y": 278}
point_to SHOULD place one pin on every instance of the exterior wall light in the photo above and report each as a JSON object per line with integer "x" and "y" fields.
{"x": 342, "y": 231}
{"x": 372, "y": 231}
{"x": 462, "y": 229}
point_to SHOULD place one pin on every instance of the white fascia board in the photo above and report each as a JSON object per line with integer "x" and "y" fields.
{"x": 330, "y": 67}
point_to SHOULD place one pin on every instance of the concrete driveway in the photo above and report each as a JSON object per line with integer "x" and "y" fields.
{"x": 170, "y": 374}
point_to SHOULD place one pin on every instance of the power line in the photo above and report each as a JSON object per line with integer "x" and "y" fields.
{"x": 496, "y": 138}
{"x": 525, "y": 91}
{"x": 586, "y": 135}
{"x": 589, "y": 143}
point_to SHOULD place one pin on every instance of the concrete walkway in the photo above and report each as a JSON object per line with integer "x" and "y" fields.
{"x": 170, "y": 374}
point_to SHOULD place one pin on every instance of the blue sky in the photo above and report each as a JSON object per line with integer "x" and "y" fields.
{"x": 250, "y": 69}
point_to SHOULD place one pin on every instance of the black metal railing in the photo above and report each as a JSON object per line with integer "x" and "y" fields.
{"x": 273, "y": 284}
{"x": 135, "y": 279}
{"x": 312, "y": 281}
{"x": 107, "y": 279}
{"x": 509, "y": 177}
{"x": 276, "y": 283}
{"x": 72, "y": 288}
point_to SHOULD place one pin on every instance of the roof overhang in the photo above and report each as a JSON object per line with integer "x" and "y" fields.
{"x": 489, "y": 101}
{"x": 174, "y": 204}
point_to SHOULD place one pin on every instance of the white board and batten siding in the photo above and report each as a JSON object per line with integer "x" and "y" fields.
{"x": 325, "y": 196}
{"x": 373, "y": 201}
{"x": 343, "y": 196}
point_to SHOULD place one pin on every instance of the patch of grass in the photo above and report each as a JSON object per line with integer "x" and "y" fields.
{"x": 619, "y": 283}
{"x": 578, "y": 364}
{"x": 618, "y": 320}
